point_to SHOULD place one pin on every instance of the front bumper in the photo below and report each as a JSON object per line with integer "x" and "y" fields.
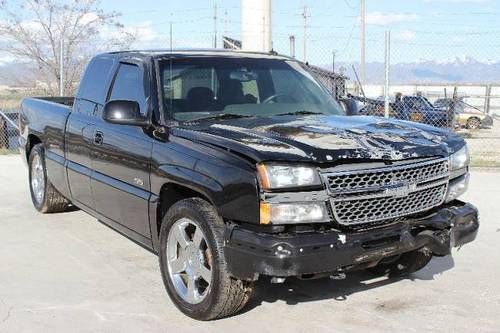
{"x": 250, "y": 254}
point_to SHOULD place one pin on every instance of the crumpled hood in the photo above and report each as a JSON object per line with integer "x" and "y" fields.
{"x": 324, "y": 138}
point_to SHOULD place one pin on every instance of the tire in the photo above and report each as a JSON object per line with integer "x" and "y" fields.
{"x": 220, "y": 297}
{"x": 473, "y": 123}
{"x": 403, "y": 264}
{"x": 44, "y": 196}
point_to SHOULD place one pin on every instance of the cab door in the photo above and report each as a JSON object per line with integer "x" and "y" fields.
{"x": 121, "y": 158}
{"x": 80, "y": 128}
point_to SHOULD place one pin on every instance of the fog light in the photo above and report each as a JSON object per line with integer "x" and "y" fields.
{"x": 293, "y": 213}
{"x": 457, "y": 187}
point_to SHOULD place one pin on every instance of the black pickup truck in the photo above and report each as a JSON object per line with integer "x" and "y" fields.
{"x": 232, "y": 166}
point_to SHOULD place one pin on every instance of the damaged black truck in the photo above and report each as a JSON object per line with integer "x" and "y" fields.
{"x": 233, "y": 166}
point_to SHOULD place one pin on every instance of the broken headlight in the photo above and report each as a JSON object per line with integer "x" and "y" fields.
{"x": 459, "y": 162}
{"x": 459, "y": 174}
{"x": 276, "y": 176}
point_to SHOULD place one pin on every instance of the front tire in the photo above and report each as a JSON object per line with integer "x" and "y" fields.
{"x": 44, "y": 196}
{"x": 193, "y": 265}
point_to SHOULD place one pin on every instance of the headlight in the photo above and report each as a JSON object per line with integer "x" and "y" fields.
{"x": 457, "y": 187}
{"x": 275, "y": 176}
{"x": 459, "y": 161}
{"x": 293, "y": 213}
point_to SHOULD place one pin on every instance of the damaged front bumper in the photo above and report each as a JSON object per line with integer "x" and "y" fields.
{"x": 250, "y": 254}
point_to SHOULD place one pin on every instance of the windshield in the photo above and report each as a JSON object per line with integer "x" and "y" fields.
{"x": 208, "y": 87}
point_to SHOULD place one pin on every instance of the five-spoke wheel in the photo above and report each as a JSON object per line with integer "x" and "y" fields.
{"x": 193, "y": 263}
{"x": 189, "y": 260}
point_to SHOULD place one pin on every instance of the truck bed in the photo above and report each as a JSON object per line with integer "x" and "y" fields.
{"x": 46, "y": 118}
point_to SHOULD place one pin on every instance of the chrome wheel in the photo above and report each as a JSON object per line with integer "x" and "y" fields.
{"x": 37, "y": 178}
{"x": 189, "y": 261}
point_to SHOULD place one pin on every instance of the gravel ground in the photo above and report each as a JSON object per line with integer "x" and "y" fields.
{"x": 69, "y": 273}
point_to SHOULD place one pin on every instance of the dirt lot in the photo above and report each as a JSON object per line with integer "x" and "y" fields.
{"x": 69, "y": 273}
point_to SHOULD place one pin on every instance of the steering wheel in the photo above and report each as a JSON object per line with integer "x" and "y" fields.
{"x": 272, "y": 98}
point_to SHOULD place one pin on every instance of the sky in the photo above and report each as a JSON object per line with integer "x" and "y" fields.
{"x": 421, "y": 30}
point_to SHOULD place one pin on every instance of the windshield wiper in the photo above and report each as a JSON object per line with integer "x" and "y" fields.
{"x": 299, "y": 113}
{"x": 223, "y": 116}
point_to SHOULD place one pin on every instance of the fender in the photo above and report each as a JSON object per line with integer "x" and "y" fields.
{"x": 191, "y": 179}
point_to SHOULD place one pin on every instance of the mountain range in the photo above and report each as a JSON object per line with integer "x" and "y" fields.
{"x": 457, "y": 70}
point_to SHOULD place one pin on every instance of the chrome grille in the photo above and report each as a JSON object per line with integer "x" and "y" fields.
{"x": 377, "y": 194}
{"x": 363, "y": 179}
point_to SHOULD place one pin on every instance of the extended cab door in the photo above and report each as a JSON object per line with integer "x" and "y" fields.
{"x": 80, "y": 127}
{"x": 121, "y": 157}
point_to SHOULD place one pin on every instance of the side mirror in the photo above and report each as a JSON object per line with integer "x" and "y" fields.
{"x": 350, "y": 106}
{"x": 124, "y": 113}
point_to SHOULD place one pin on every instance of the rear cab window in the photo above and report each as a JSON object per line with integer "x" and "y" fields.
{"x": 94, "y": 85}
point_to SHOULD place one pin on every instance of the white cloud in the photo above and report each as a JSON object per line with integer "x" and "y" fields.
{"x": 379, "y": 18}
{"x": 406, "y": 35}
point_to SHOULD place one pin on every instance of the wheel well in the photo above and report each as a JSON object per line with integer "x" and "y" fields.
{"x": 172, "y": 193}
{"x": 473, "y": 117}
{"x": 32, "y": 141}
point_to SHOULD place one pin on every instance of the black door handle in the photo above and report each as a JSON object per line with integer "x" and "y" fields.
{"x": 98, "y": 138}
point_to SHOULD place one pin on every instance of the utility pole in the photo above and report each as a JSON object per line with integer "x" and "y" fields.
{"x": 215, "y": 24}
{"x": 305, "y": 16}
{"x": 61, "y": 68}
{"x": 387, "y": 73}
{"x": 333, "y": 61}
{"x": 226, "y": 23}
{"x": 362, "y": 7}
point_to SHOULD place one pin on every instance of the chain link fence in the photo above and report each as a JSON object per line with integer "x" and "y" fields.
{"x": 9, "y": 131}
{"x": 444, "y": 82}
{"x": 451, "y": 84}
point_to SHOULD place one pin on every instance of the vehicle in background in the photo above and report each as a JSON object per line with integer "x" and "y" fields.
{"x": 232, "y": 166}
{"x": 465, "y": 115}
{"x": 412, "y": 108}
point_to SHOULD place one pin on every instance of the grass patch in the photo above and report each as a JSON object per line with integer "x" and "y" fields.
{"x": 4, "y": 151}
{"x": 485, "y": 159}
{"x": 484, "y": 163}
{"x": 465, "y": 135}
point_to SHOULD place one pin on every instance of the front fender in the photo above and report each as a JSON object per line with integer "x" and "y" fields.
{"x": 231, "y": 190}
{"x": 193, "y": 180}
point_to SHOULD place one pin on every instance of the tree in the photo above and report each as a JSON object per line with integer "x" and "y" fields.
{"x": 35, "y": 31}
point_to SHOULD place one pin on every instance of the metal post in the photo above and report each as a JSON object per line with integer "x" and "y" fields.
{"x": 363, "y": 40}
{"x": 292, "y": 46}
{"x": 171, "y": 36}
{"x": 487, "y": 100}
{"x": 215, "y": 25}
{"x": 61, "y": 68}
{"x": 387, "y": 71}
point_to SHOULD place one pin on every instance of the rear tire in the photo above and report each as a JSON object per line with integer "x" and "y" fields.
{"x": 473, "y": 123}
{"x": 44, "y": 196}
{"x": 198, "y": 261}
{"x": 403, "y": 264}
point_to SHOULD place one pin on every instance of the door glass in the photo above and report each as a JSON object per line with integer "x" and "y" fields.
{"x": 128, "y": 85}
